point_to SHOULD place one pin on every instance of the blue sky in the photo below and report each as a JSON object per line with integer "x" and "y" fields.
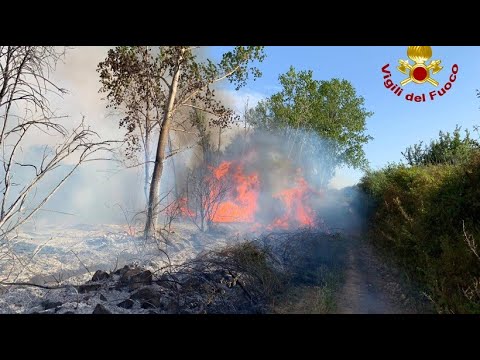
{"x": 396, "y": 123}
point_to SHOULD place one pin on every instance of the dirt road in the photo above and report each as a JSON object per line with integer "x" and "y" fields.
{"x": 372, "y": 287}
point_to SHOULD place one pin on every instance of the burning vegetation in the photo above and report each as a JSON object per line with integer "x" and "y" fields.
{"x": 271, "y": 178}
{"x": 264, "y": 188}
{"x": 241, "y": 202}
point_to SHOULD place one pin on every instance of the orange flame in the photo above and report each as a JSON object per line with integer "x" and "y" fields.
{"x": 297, "y": 212}
{"x": 241, "y": 202}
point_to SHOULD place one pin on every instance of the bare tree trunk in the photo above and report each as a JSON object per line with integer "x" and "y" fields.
{"x": 173, "y": 167}
{"x": 147, "y": 141}
{"x": 147, "y": 165}
{"x": 154, "y": 197}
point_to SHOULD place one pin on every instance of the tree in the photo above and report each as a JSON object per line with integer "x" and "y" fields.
{"x": 331, "y": 109}
{"x": 447, "y": 149}
{"x": 25, "y": 113}
{"x": 199, "y": 122}
{"x": 129, "y": 77}
{"x": 204, "y": 193}
{"x": 181, "y": 80}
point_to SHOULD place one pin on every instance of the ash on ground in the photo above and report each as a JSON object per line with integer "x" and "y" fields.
{"x": 221, "y": 271}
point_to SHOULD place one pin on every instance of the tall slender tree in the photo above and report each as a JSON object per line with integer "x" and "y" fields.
{"x": 178, "y": 79}
{"x": 128, "y": 76}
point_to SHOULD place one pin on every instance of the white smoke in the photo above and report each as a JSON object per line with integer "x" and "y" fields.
{"x": 95, "y": 193}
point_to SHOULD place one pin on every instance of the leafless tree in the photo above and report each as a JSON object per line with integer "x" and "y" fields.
{"x": 172, "y": 212}
{"x": 199, "y": 121}
{"x": 204, "y": 194}
{"x": 25, "y": 113}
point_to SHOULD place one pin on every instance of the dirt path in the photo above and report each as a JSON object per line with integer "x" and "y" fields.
{"x": 371, "y": 287}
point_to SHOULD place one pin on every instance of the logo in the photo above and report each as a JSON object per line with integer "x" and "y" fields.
{"x": 419, "y": 73}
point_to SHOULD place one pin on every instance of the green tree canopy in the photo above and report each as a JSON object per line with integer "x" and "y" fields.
{"x": 332, "y": 109}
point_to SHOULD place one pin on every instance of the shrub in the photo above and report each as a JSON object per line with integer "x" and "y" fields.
{"x": 418, "y": 218}
{"x": 447, "y": 149}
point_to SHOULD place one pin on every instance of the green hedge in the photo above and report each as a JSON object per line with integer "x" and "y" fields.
{"x": 418, "y": 218}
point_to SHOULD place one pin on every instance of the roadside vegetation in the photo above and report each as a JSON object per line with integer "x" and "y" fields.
{"x": 425, "y": 216}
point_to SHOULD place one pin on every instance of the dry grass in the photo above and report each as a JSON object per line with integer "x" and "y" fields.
{"x": 311, "y": 299}
{"x": 306, "y": 300}
{"x": 292, "y": 272}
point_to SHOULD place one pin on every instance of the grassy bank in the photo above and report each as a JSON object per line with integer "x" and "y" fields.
{"x": 427, "y": 217}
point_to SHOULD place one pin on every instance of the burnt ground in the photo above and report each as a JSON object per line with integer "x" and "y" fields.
{"x": 303, "y": 271}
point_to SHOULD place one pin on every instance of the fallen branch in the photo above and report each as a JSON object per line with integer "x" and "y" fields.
{"x": 36, "y": 285}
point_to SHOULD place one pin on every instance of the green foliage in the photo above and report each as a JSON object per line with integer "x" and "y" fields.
{"x": 447, "y": 149}
{"x": 331, "y": 109}
{"x": 137, "y": 79}
{"x": 236, "y": 62}
{"x": 419, "y": 217}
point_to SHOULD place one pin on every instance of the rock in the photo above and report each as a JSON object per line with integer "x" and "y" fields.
{"x": 100, "y": 309}
{"x": 122, "y": 270}
{"x": 143, "y": 278}
{"x": 149, "y": 297}
{"x": 103, "y": 298}
{"x": 47, "y": 304}
{"x": 164, "y": 278}
{"x": 126, "y": 304}
{"x": 135, "y": 278}
{"x": 100, "y": 275}
{"x": 69, "y": 312}
{"x": 145, "y": 293}
{"x": 88, "y": 287}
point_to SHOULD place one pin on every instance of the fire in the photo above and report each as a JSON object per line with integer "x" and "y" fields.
{"x": 222, "y": 169}
{"x": 241, "y": 201}
{"x": 296, "y": 210}
{"x": 130, "y": 231}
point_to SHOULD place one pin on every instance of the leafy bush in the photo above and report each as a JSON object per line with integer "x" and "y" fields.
{"x": 448, "y": 149}
{"x": 418, "y": 218}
